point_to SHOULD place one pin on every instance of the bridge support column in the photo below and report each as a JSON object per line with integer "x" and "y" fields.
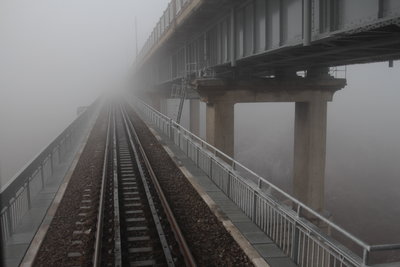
{"x": 310, "y": 152}
{"x": 220, "y": 126}
{"x": 195, "y": 116}
{"x": 310, "y": 96}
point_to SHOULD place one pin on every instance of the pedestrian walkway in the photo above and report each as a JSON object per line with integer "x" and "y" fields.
{"x": 16, "y": 246}
{"x": 254, "y": 235}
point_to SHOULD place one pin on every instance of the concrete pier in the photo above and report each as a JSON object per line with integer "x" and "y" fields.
{"x": 195, "y": 116}
{"x": 310, "y": 152}
{"x": 310, "y": 95}
{"x": 220, "y": 126}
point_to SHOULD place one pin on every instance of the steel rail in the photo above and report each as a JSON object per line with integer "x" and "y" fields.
{"x": 100, "y": 216}
{"x": 184, "y": 248}
{"x": 156, "y": 218}
{"x": 117, "y": 223}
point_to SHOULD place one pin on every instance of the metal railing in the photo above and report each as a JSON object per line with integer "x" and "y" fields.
{"x": 173, "y": 10}
{"x": 278, "y": 214}
{"x": 16, "y": 197}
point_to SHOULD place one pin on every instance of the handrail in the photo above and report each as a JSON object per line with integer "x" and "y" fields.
{"x": 218, "y": 153}
{"x": 161, "y": 27}
{"x": 302, "y": 205}
{"x": 17, "y": 195}
{"x": 383, "y": 247}
{"x": 12, "y": 187}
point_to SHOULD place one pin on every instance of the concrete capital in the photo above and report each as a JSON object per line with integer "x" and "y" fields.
{"x": 268, "y": 90}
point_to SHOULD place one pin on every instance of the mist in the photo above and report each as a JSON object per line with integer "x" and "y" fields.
{"x": 58, "y": 55}
{"x": 362, "y": 182}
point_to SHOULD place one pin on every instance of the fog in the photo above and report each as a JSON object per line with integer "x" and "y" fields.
{"x": 55, "y": 56}
{"x": 58, "y": 55}
{"x": 363, "y": 150}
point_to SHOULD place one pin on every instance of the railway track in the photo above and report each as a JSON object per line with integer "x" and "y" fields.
{"x": 114, "y": 213}
{"x": 135, "y": 224}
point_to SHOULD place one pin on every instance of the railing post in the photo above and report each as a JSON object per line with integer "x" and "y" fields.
{"x": 365, "y": 257}
{"x": 70, "y": 140}
{"x": 9, "y": 220}
{"x": 228, "y": 190}
{"x": 72, "y": 135}
{"x": 179, "y": 139}
{"x": 197, "y": 155}
{"x": 42, "y": 175}
{"x": 66, "y": 145}
{"x": 171, "y": 130}
{"x": 59, "y": 153}
{"x": 28, "y": 194}
{"x": 295, "y": 239}
{"x": 51, "y": 163}
{"x": 295, "y": 243}
{"x": 187, "y": 146}
{"x": 211, "y": 160}
{"x": 254, "y": 206}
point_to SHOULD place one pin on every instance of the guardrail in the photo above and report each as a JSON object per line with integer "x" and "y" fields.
{"x": 173, "y": 10}
{"x": 287, "y": 221}
{"x": 16, "y": 196}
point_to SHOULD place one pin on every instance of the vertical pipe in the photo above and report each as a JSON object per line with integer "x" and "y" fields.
{"x": 254, "y": 26}
{"x": 185, "y": 61}
{"x": 206, "y": 64}
{"x": 380, "y": 9}
{"x": 307, "y": 22}
{"x": 281, "y": 21}
{"x": 233, "y": 38}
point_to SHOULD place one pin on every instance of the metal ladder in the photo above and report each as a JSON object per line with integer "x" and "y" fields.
{"x": 182, "y": 100}
{"x": 181, "y": 90}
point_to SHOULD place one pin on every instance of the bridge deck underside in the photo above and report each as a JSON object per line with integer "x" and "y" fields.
{"x": 260, "y": 37}
{"x": 370, "y": 46}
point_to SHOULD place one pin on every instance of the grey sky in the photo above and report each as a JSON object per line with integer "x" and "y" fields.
{"x": 56, "y": 55}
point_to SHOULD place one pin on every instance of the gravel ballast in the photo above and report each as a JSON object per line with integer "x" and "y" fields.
{"x": 211, "y": 244}
{"x": 209, "y": 241}
{"x": 70, "y": 238}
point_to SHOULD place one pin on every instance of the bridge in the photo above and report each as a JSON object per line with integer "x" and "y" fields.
{"x": 223, "y": 53}
{"x": 228, "y": 52}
